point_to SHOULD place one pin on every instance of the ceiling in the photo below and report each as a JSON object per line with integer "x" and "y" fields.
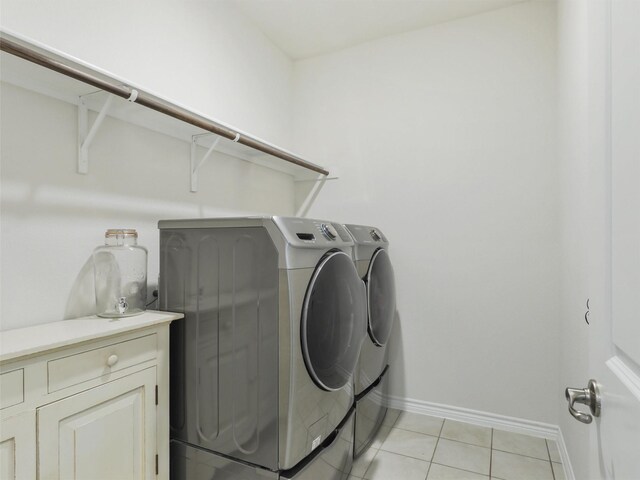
{"x": 305, "y": 28}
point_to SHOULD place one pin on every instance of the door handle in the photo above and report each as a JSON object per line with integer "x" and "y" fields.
{"x": 588, "y": 396}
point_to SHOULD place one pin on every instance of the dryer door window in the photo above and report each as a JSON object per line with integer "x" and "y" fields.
{"x": 381, "y": 295}
{"x": 333, "y": 321}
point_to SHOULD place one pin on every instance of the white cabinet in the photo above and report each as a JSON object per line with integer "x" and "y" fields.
{"x": 92, "y": 403}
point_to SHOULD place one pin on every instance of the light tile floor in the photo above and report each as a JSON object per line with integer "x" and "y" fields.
{"x": 420, "y": 447}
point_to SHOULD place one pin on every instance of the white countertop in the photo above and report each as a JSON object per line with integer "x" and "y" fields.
{"x": 26, "y": 341}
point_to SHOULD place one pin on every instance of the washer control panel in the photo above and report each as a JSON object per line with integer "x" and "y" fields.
{"x": 319, "y": 233}
{"x": 367, "y": 235}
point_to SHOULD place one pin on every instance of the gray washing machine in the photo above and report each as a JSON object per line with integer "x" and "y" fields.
{"x": 262, "y": 364}
{"x": 371, "y": 377}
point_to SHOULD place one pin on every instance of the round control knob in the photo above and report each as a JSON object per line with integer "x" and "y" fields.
{"x": 329, "y": 231}
{"x": 112, "y": 360}
{"x": 375, "y": 235}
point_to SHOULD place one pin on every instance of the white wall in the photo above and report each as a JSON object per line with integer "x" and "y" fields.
{"x": 445, "y": 138}
{"x": 200, "y": 54}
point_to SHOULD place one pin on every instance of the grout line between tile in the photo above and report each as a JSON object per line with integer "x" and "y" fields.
{"x": 553, "y": 474}
{"x": 433, "y": 455}
{"x": 413, "y": 431}
{"x": 435, "y": 448}
{"x": 521, "y": 455}
{"x": 364, "y": 475}
{"x": 461, "y": 469}
{"x": 466, "y": 443}
{"x": 428, "y": 470}
{"x": 491, "y": 455}
{"x": 403, "y": 455}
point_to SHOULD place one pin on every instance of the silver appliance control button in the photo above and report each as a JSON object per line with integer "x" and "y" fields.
{"x": 329, "y": 231}
{"x": 375, "y": 235}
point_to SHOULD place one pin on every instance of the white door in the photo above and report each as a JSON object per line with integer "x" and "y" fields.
{"x": 619, "y": 369}
{"x": 104, "y": 433}
{"x": 613, "y": 242}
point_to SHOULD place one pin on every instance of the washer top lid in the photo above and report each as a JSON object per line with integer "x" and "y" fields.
{"x": 367, "y": 239}
{"x": 219, "y": 222}
{"x": 297, "y": 232}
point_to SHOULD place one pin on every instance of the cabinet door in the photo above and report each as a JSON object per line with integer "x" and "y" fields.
{"x": 106, "y": 432}
{"x": 17, "y": 447}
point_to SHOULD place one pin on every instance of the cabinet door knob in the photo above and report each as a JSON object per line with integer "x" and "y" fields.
{"x": 112, "y": 360}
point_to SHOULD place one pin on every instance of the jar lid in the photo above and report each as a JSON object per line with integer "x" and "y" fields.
{"x": 121, "y": 232}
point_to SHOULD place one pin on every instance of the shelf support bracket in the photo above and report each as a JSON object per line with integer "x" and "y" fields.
{"x": 311, "y": 197}
{"x": 195, "y": 164}
{"x": 86, "y": 137}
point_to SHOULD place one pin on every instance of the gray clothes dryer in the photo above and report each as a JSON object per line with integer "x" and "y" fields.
{"x": 262, "y": 363}
{"x": 371, "y": 257}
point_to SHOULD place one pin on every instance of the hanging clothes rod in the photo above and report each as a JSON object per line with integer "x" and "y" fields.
{"x": 134, "y": 95}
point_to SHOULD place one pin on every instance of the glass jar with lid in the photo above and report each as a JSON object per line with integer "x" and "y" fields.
{"x": 120, "y": 272}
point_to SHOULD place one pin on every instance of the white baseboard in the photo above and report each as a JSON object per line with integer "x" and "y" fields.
{"x": 564, "y": 454}
{"x": 486, "y": 419}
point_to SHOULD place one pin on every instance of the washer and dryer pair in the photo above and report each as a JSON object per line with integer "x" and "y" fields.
{"x": 262, "y": 365}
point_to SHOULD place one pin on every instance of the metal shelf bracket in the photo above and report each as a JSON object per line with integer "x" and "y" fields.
{"x": 312, "y": 195}
{"x": 195, "y": 163}
{"x": 86, "y": 137}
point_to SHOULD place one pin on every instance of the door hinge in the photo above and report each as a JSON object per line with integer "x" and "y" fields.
{"x": 156, "y": 464}
{"x": 156, "y": 394}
